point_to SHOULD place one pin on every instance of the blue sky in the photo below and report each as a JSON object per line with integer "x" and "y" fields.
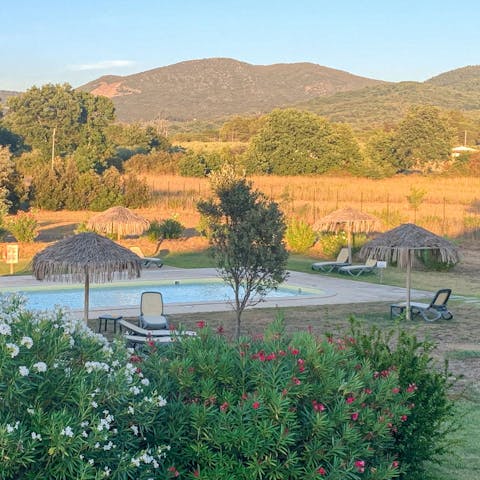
{"x": 56, "y": 41}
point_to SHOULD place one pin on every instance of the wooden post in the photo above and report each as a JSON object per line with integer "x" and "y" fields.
{"x": 408, "y": 285}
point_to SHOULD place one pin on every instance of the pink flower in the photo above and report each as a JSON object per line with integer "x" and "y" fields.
{"x": 368, "y": 391}
{"x": 224, "y": 407}
{"x": 395, "y": 464}
{"x": 321, "y": 471}
{"x": 196, "y": 473}
{"x": 350, "y": 400}
{"x": 271, "y": 356}
{"x": 294, "y": 351}
{"x": 296, "y": 381}
{"x": 256, "y": 405}
{"x": 220, "y": 330}
{"x": 201, "y": 324}
{"x": 411, "y": 388}
{"x": 403, "y": 418}
{"x": 354, "y": 416}
{"x": 395, "y": 390}
{"x": 360, "y": 466}
{"x": 318, "y": 407}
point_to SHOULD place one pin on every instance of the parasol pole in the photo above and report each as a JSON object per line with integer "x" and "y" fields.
{"x": 409, "y": 268}
{"x": 349, "y": 243}
{"x": 86, "y": 298}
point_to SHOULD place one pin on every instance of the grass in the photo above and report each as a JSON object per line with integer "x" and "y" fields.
{"x": 463, "y": 354}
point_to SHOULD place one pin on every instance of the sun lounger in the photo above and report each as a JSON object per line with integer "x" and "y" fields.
{"x": 147, "y": 261}
{"x": 136, "y": 330}
{"x": 430, "y": 312}
{"x": 151, "y": 311}
{"x": 356, "y": 270}
{"x": 341, "y": 261}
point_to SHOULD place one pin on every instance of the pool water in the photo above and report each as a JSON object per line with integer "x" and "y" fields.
{"x": 128, "y": 295}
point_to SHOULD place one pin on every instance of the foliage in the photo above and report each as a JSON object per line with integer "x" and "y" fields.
{"x": 247, "y": 233}
{"x": 434, "y": 262}
{"x": 168, "y": 228}
{"x": 424, "y": 139}
{"x": 294, "y": 142}
{"x": 154, "y": 162}
{"x": 299, "y": 235}
{"x": 424, "y": 434}
{"x": 415, "y": 199}
{"x": 274, "y": 407}
{"x": 72, "y": 405}
{"x": 240, "y": 129}
{"x": 23, "y": 226}
{"x": 200, "y": 164}
{"x": 70, "y": 119}
{"x": 380, "y": 153}
{"x": 65, "y": 187}
{"x": 12, "y": 189}
{"x": 332, "y": 242}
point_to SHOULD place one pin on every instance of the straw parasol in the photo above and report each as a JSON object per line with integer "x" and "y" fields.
{"x": 349, "y": 220}
{"x": 119, "y": 220}
{"x": 402, "y": 243}
{"x": 86, "y": 257}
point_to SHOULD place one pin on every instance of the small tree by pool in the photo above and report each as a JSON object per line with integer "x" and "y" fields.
{"x": 247, "y": 238}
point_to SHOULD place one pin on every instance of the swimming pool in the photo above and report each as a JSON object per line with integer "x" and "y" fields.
{"x": 127, "y": 294}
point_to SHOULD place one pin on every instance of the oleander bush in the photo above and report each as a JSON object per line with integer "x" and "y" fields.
{"x": 332, "y": 243}
{"x": 275, "y": 407}
{"x": 71, "y": 405}
{"x": 299, "y": 235}
{"x": 425, "y": 435}
{"x": 23, "y": 226}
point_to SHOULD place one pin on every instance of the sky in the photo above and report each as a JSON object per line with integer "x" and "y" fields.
{"x": 76, "y": 41}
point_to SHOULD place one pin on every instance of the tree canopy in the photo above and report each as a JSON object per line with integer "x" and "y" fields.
{"x": 294, "y": 142}
{"x": 59, "y": 116}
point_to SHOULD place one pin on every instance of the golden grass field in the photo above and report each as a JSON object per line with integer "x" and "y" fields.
{"x": 451, "y": 205}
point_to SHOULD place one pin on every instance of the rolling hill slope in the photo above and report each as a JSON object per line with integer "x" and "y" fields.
{"x": 219, "y": 87}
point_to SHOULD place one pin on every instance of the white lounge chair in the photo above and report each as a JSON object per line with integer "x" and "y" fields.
{"x": 356, "y": 270}
{"x": 147, "y": 261}
{"x": 151, "y": 311}
{"x": 341, "y": 261}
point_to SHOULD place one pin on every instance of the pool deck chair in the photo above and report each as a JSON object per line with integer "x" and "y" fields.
{"x": 341, "y": 261}
{"x": 370, "y": 266}
{"x": 147, "y": 261}
{"x": 430, "y": 312}
{"x": 135, "y": 334}
{"x": 151, "y": 311}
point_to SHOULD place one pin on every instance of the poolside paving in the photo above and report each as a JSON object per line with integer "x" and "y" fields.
{"x": 334, "y": 291}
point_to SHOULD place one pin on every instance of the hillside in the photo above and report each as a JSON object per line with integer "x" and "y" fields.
{"x": 387, "y": 103}
{"x": 464, "y": 78}
{"x": 4, "y": 94}
{"x": 218, "y": 87}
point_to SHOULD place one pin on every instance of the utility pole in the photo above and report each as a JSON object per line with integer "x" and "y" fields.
{"x": 53, "y": 144}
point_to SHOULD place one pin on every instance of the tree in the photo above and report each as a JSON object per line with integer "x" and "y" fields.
{"x": 293, "y": 142}
{"x": 12, "y": 189}
{"x": 246, "y": 235}
{"x": 59, "y": 116}
{"x": 424, "y": 139}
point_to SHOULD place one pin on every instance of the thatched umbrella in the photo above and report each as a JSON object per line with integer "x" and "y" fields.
{"x": 349, "y": 220}
{"x": 86, "y": 257}
{"x": 402, "y": 243}
{"x": 119, "y": 220}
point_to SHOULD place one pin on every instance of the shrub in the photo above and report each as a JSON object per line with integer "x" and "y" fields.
{"x": 23, "y": 227}
{"x": 434, "y": 262}
{"x": 275, "y": 408}
{"x": 169, "y": 228}
{"x": 299, "y": 235}
{"x": 72, "y": 405}
{"x": 331, "y": 243}
{"x": 424, "y": 434}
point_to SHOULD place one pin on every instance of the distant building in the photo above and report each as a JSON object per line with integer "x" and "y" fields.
{"x": 457, "y": 151}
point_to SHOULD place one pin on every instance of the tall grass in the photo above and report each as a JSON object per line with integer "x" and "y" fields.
{"x": 446, "y": 208}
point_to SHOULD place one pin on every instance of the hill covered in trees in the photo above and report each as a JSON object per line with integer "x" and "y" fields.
{"x": 219, "y": 87}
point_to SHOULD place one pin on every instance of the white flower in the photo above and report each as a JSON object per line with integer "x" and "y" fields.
{"x": 84, "y": 424}
{"x": 145, "y": 381}
{"x": 84, "y": 434}
{"x": 36, "y": 436}
{"x": 106, "y": 472}
{"x": 67, "y": 431}
{"x": 91, "y": 462}
{"x": 131, "y": 410}
{"x": 136, "y": 462}
{"x": 160, "y": 401}
{"x": 108, "y": 446}
{"x": 27, "y": 341}
{"x": 135, "y": 390}
{"x": 24, "y": 371}
{"x": 5, "y": 329}
{"x": 31, "y": 411}
{"x": 94, "y": 404}
{"x": 134, "y": 429}
{"x": 13, "y": 349}
{"x": 40, "y": 366}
